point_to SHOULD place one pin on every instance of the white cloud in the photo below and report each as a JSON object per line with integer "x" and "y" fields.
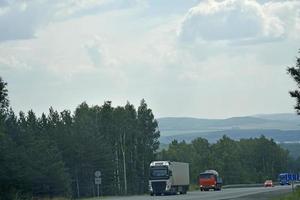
{"x": 120, "y": 50}
{"x": 22, "y": 19}
{"x": 13, "y": 63}
{"x": 239, "y": 20}
{"x": 90, "y": 44}
{"x": 288, "y": 12}
{"x": 71, "y": 7}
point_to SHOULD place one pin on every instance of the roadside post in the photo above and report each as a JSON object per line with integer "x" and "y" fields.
{"x": 98, "y": 181}
{"x": 293, "y": 178}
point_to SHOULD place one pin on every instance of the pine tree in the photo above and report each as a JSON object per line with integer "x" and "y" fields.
{"x": 147, "y": 142}
{"x": 295, "y": 74}
{"x": 4, "y": 102}
{"x": 57, "y": 154}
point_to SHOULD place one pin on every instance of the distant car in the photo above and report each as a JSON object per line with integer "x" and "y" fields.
{"x": 269, "y": 183}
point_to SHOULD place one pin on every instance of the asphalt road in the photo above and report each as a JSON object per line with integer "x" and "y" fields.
{"x": 233, "y": 193}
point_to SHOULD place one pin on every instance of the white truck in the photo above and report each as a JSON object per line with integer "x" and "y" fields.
{"x": 168, "y": 177}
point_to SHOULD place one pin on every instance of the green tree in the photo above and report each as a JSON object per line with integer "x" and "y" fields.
{"x": 294, "y": 72}
{"x": 8, "y": 186}
{"x": 200, "y": 157}
{"x": 42, "y": 166}
{"x": 88, "y": 150}
{"x": 147, "y": 142}
{"x": 270, "y": 159}
{"x": 57, "y": 154}
{"x": 4, "y": 102}
{"x": 226, "y": 159}
{"x": 248, "y": 156}
{"x": 30, "y": 164}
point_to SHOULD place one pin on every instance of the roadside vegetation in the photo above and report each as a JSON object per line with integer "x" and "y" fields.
{"x": 245, "y": 161}
{"x": 292, "y": 196}
{"x": 57, "y": 153}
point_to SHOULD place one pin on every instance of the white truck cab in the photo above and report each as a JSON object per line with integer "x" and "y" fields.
{"x": 168, "y": 177}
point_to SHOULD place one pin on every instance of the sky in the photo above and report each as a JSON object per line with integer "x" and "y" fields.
{"x": 193, "y": 58}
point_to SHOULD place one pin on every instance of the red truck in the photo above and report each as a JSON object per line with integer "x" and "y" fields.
{"x": 210, "y": 180}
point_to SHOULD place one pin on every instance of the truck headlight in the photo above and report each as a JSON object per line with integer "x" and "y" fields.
{"x": 168, "y": 186}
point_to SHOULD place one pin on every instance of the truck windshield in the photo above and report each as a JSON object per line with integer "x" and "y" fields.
{"x": 206, "y": 176}
{"x": 283, "y": 177}
{"x": 159, "y": 172}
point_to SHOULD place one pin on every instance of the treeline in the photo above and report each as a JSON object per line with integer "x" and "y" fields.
{"x": 244, "y": 161}
{"x": 57, "y": 154}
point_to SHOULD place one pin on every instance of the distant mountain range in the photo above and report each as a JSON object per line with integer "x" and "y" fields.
{"x": 281, "y": 127}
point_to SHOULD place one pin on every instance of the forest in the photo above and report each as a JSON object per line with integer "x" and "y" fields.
{"x": 244, "y": 161}
{"x": 57, "y": 153}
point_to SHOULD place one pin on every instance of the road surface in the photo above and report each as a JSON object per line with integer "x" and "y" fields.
{"x": 211, "y": 195}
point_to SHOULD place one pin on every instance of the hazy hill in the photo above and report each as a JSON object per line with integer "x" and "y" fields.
{"x": 279, "y": 116}
{"x": 294, "y": 149}
{"x": 280, "y": 127}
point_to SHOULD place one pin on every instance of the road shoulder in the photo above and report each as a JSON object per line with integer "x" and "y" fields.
{"x": 265, "y": 195}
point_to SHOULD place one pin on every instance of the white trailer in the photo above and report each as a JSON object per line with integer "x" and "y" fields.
{"x": 168, "y": 177}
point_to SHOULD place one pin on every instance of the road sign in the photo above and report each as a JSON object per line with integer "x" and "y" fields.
{"x": 292, "y": 177}
{"x": 98, "y": 181}
{"x": 97, "y": 173}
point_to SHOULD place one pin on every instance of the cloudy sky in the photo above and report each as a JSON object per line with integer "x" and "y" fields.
{"x": 197, "y": 58}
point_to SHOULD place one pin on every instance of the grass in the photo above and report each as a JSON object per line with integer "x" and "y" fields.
{"x": 55, "y": 198}
{"x": 193, "y": 187}
{"x": 292, "y": 196}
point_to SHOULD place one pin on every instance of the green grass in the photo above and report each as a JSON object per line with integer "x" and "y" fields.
{"x": 55, "y": 198}
{"x": 292, "y": 196}
{"x": 48, "y": 198}
{"x": 193, "y": 187}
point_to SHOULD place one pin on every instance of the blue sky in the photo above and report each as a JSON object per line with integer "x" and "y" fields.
{"x": 197, "y": 58}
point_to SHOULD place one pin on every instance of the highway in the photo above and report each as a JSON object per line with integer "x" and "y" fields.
{"x": 210, "y": 195}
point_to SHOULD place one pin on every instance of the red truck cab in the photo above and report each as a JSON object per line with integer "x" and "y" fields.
{"x": 209, "y": 180}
